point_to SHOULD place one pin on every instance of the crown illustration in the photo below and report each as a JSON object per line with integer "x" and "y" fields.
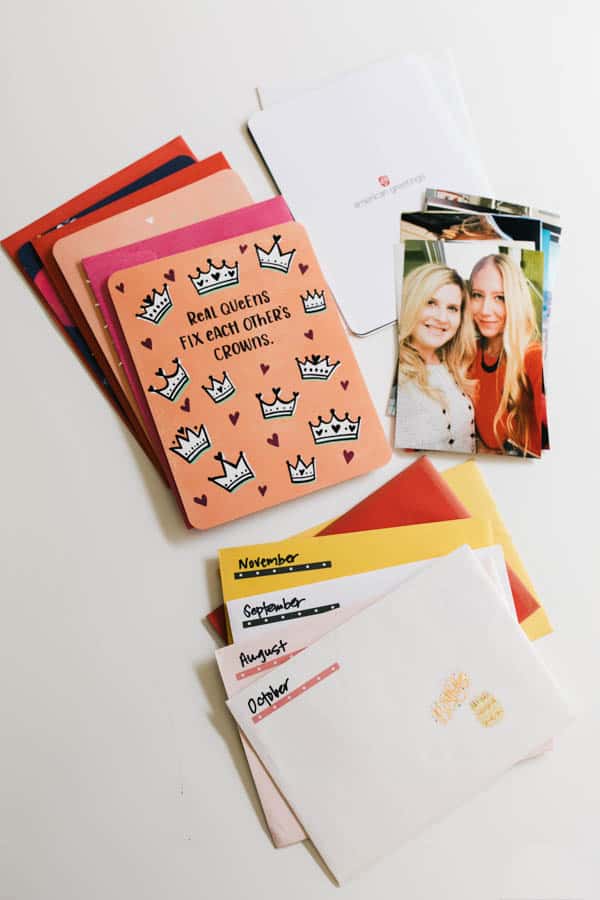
{"x": 335, "y": 429}
{"x": 190, "y": 443}
{"x": 215, "y": 277}
{"x": 175, "y": 383}
{"x": 220, "y": 390}
{"x": 274, "y": 258}
{"x": 155, "y": 307}
{"x": 316, "y": 368}
{"x": 278, "y": 408}
{"x": 302, "y": 473}
{"x": 314, "y": 301}
{"x": 234, "y": 474}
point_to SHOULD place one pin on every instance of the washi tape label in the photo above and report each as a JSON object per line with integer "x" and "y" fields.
{"x": 270, "y": 613}
{"x": 274, "y": 697}
{"x": 280, "y": 569}
{"x": 269, "y": 664}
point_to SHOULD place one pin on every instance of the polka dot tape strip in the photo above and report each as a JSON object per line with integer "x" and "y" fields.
{"x": 262, "y": 667}
{"x": 312, "y": 682}
{"x": 295, "y": 614}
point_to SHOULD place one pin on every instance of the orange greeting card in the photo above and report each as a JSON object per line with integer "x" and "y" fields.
{"x": 247, "y": 373}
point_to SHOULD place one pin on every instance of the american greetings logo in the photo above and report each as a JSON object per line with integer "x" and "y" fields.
{"x": 388, "y": 189}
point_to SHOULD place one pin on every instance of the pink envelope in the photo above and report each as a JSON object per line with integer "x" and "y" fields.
{"x": 99, "y": 269}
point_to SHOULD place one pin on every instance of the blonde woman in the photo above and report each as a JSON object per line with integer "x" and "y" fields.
{"x": 434, "y": 409}
{"x": 510, "y": 404}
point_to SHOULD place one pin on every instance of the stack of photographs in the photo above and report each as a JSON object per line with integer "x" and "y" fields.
{"x": 474, "y": 285}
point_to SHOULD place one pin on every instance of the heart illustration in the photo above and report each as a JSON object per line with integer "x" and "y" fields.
{"x": 243, "y": 248}
{"x": 170, "y": 275}
{"x": 309, "y": 334}
{"x": 120, "y": 287}
{"x": 147, "y": 343}
{"x": 216, "y": 275}
{"x": 264, "y": 368}
{"x": 273, "y": 440}
{"x": 335, "y": 428}
{"x": 186, "y": 405}
{"x": 345, "y": 384}
{"x": 262, "y": 489}
{"x": 203, "y": 500}
{"x": 303, "y": 268}
{"x": 231, "y": 272}
{"x": 233, "y": 417}
{"x": 348, "y": 456}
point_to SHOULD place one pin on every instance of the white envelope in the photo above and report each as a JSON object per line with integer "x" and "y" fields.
{"x": 350, "y": 156}
{"x": 402, "y": 713}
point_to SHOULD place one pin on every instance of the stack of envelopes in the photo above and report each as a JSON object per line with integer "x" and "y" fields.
{"x": 381, "y": 668}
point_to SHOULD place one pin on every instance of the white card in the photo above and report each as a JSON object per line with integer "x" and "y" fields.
{"x": 350, "y": 156}
{"x": 402, "y": 713}
{"x": 442, "y": 68}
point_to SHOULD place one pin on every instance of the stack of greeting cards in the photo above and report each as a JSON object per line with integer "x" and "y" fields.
{"x": 412, "y": 614}
{"x": 475, "y": 279}
{"x": 206, "y": 320}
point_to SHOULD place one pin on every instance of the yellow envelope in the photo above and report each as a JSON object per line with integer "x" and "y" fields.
{"x": 260, "y": 568}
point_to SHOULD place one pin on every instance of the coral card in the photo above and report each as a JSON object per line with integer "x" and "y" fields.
{"x": 248, "y": 374}
{"x": 228, "y": 225}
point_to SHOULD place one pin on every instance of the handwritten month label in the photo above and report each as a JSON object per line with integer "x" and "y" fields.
{"x": 282, "y": 610}
{"x": 263, "y": 667}
{"x": 259, "y": 350}
{"x": 274, "y": 697}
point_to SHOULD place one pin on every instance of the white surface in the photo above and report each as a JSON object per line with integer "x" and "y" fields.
{"x": 124, "y": 774}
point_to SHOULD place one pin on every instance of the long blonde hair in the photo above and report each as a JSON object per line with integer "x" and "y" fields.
{"x": 419, "y": 287}
{"x": 520, "y": 330}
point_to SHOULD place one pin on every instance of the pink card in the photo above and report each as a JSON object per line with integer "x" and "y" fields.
{"x": 100, "y": 267}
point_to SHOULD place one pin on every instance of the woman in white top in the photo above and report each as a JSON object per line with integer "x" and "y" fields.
{"x": 434, "y": 408}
